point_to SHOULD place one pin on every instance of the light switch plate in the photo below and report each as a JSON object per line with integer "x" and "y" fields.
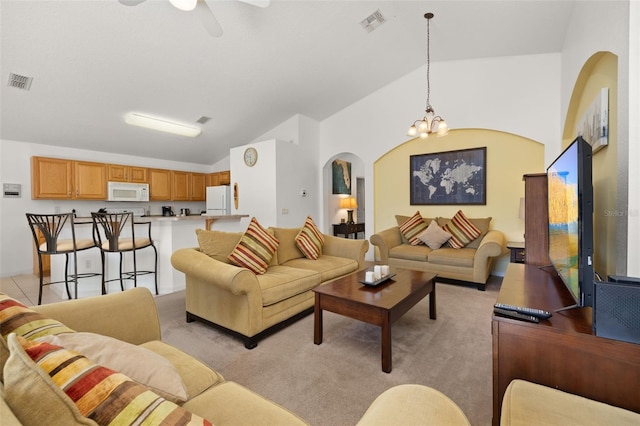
{"x": 12, "y": 190}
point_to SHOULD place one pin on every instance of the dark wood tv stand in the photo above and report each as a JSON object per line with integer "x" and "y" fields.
{"x": 562, "y": 352}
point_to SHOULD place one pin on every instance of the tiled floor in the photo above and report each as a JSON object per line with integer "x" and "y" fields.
{"x": 25, "y": 289}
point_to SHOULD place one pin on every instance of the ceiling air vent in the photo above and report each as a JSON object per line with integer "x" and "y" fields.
{"x": 203, "y": 119}
{"x": 20, "y": 81}
{"x": 373, "y": 21}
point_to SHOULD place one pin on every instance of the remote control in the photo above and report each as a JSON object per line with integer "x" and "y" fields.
{"x": 516, "y": 315}
{"x": 527, "y": 311}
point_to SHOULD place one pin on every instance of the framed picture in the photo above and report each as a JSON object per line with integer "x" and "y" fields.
{"x": 341, "y": 173}
{"x": 451, "y": 177}
{"x": 594, "y": 124}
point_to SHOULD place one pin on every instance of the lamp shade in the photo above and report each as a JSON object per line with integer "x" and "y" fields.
{"x": 348, "y": 203}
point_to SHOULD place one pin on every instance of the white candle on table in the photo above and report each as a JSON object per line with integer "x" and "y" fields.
{"x": 368, "y": 277}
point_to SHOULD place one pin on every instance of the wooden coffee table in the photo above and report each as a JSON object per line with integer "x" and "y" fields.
{"x": 381, "y": 305}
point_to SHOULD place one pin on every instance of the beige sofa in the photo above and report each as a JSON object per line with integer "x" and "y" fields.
{"x": 249, "y": 305}
{"x": 472, "y": 263}
{"x": 131, "y": 316}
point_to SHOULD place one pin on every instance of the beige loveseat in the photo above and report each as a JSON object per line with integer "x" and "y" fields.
{"x": 472, "y": 263}
{"x": 247, "y": 304}
{"x": 131, "y": 316}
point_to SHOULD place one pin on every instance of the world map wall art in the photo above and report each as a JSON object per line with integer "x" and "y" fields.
{"x": 451, "y": 177}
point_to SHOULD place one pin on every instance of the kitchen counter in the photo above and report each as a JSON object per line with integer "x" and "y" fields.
{"x": 208, "y": 219}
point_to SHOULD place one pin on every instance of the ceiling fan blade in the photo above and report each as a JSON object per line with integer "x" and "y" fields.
{"x": 208, "y": 20}
{"x": 259, "y": 3}
{"x": 130, "y": 2}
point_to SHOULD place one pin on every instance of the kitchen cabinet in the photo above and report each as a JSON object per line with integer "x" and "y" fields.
{"x": 181, "y": 186}
{"x": 219, "y": 178}
{"x": 187, "y": 186}
{"x": 159, "y": 184}
{"x": 120, "y": 173}
{"x": 198, "y": 186}
{"x": 60, "y": 179}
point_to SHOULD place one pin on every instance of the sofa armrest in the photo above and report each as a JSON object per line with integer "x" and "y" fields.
{"x": 344, "y": 247}
{"x": 385, "y": 241}
{"x": 130, "y": 316}
{"x": 201, "y": 267}
{"x": 492, "y": 245}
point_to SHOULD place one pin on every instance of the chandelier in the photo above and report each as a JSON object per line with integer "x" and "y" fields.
{"x": 430, "y": 123}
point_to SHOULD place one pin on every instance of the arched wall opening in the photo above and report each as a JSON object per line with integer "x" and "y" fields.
{"x": 332, "y": 212}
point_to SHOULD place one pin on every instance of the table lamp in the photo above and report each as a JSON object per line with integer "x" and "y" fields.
{"x": 349, "y": 203}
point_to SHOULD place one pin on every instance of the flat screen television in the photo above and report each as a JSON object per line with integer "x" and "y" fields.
{"x": 570, "y": 192}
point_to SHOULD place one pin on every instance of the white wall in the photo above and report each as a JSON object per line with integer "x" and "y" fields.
{"x": 15, "y": 167}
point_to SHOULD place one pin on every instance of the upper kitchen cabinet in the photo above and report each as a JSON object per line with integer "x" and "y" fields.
{"x": 218, "y": 178}
{"x": 159, "y": 184}
{"x": 198, "y": 187}
{"x": 54, "y": 178}
{"x": 120, "y": 173}
{"x": 187, "y": 186}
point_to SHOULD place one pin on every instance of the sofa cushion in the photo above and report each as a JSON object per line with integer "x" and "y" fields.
{"x": 482, "y": 224}
{"x": 462, "y": 230}
{"x": 310, "y": 240}
{"x": 452, "y": 257}
{"x": 409, "y": 252}
{"x": 217, "y": 244}
{"x": 79, "y": 390}
{"x": 138, "y": 363}
{"x": 412, "y": 228}
{"x": 282, "y": 282}
{"x": 17, "y": 318}
{"x": 329, "y": 267}
{"x": 434, "y": 236}
{"x": 255, "y": 249}
{"x": 196, "y": 376}
{"x": 287, "y": 249}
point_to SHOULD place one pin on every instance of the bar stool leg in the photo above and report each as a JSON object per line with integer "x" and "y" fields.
{"x": 155, "y": 274}
{"x": 135, "y": 270}
{"x": 121, "y": 282}
{"x": 104, "y": 287}
{"x": 66, "y": 274}
{"x": 41, "y": 278}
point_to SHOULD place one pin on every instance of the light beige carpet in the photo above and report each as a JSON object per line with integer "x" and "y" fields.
{"x": 334, "y": 383}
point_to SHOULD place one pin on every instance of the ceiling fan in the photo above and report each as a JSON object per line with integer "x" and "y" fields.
{"x": 201, "y": 7}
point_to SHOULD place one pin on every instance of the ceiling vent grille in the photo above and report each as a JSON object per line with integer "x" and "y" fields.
{"x": 373, "y": 21}
{"x": 20, "y": 81}
{"x": 203, "y": 119}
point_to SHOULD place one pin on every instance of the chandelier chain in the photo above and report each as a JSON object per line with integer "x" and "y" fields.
{"x": 428, "y": 106}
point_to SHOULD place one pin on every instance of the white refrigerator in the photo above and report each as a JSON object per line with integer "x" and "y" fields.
{"x": 218, "y": 200}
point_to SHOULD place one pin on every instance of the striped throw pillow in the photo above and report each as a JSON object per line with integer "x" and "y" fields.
{"x": 255, "y": 249}
{"x": 462, "y": 231}
{"x": 99, "y": 393}
{"x": 413, "y": 227}
{"x": 310, "y": 240}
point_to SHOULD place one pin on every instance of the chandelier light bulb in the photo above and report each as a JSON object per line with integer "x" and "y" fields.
{"x": 424, "y": 135}
{"x": 443, "y": 128}
{"x": 185, "y": 5}
{"x": 423, "y": 126}
{"x": 412, "y": 130}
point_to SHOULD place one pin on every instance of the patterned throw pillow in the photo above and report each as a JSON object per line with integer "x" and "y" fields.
{"x": 255, "y": 249}
{"x": 17, "y": 318}
{"x": 413, "y": 227}
{"x": 310, "y": 240}
{"x": 462, "y": 231}
{"x": 97, "y": 393}
{"x": 434, "y": 236}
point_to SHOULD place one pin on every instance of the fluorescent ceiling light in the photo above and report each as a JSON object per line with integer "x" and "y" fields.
{"x": 185, "y": 5}
{"x": 161, "y": 124}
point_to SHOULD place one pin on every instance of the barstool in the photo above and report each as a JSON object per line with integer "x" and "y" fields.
{"x": 50, "y": 226}
{"x": 107, "y": 234}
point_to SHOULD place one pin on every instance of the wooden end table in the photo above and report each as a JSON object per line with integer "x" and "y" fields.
{"x": 382, "y": 305}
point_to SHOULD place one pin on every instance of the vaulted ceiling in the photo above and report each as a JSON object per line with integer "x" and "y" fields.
{"x": 92, "y": 61}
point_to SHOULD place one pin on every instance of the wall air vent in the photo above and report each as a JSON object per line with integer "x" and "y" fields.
{"x": 373, "y": 21}
{"x": 203, "y": 119}
{"x": 20, "y": 81}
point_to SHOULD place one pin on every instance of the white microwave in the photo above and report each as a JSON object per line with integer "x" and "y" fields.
{"x": 124, "y": 191}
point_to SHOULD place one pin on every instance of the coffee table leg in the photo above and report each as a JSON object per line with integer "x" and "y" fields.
{"x": 432, "y": 302}
{"x": 317, "y": 322}
{"x": 386, "y": 345}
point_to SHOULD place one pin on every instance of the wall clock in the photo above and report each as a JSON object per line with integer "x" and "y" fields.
{"x": 250, "y": 157}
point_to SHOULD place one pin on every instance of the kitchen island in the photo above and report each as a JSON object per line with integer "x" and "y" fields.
{"x": 169, "y": 233}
